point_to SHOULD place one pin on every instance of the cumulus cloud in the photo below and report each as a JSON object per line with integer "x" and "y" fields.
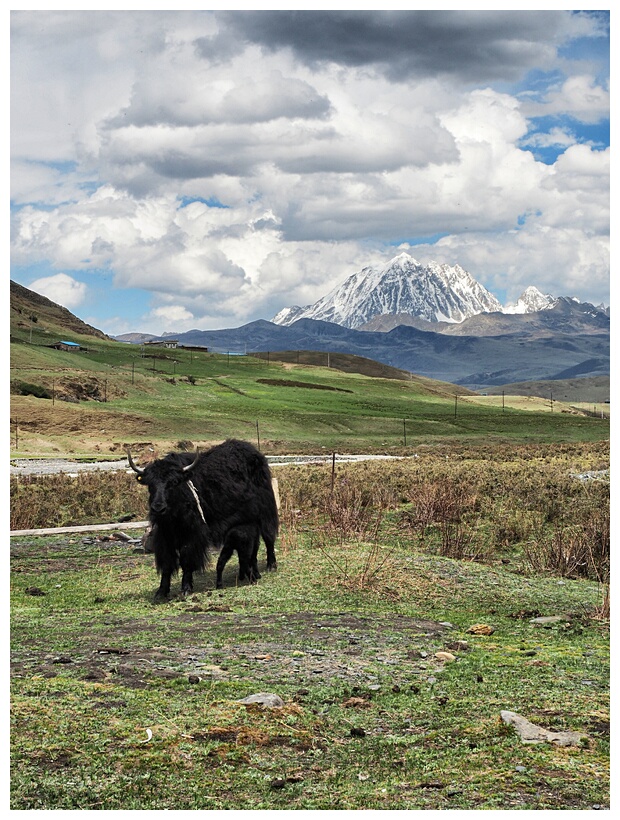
{"x": 62, "y": 289}
{"x": 578, "y": 96}
{"x": 231, "y": 163}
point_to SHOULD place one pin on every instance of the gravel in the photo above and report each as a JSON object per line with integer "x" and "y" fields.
{"x": 50, "y": 466}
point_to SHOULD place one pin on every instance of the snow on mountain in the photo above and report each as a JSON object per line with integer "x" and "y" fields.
{"x": 531, "y": 301}
{"x": 437, "y": 293}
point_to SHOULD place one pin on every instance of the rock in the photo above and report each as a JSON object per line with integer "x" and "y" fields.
{"x": 549, "y": 619}
{"x": 264, "y": 699}
{"x": 530, "y": 733}
{"x": 481, "y": 629}
{"x": 446, "y": 657}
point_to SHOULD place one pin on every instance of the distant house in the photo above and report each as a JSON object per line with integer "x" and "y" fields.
{"x": 169, "y": 343}
{"x": 72, "y": 347}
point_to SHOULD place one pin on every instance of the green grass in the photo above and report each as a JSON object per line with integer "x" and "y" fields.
{"x": 152, "y": 400}
{"x": 120, "y": 704}
{"x": 428, "y": 735}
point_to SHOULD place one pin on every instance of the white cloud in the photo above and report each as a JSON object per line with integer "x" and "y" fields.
{"x": 323, "y": 152}
{"x": 62, "y": 289}
{"x": 579, "y": 97}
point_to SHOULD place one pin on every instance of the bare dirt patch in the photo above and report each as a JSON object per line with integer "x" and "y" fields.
{"x": 203, "y": 639}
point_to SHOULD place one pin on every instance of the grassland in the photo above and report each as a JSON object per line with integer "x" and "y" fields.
{"x": 121, "y": 704}
{"x": 114, "y": 396}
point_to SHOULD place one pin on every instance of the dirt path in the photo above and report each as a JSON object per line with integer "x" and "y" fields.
{"x": 50, "y": 466}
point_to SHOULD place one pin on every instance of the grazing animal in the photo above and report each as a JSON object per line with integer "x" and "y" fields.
{"x": 222, "y": 497}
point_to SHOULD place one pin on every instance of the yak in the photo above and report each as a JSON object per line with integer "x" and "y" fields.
{"x": 221, "y": 498}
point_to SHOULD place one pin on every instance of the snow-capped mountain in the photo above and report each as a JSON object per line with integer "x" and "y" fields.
{"x": 437, "y": 293}
{"x": 531, "y": 301}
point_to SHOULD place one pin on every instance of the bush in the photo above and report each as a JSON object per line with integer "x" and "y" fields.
{"x": 20, "y": 388}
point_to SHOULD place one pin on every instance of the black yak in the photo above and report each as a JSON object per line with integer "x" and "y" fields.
{"x": 221, "y": 498}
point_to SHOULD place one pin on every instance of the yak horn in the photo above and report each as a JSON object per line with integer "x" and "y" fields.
{"x": 191, "y": 466}
{"x": 138, "y": 470}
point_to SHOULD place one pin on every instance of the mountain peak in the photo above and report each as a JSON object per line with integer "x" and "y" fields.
{"x": 531, "y": 301}
{"x": 403, "y": 285}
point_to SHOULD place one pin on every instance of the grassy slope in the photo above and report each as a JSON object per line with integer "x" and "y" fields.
{"x": 151, "y": 400}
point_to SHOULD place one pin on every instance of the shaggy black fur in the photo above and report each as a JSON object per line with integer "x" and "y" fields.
{"x": 235, "y": 493}
{"x": 245, "y": 542}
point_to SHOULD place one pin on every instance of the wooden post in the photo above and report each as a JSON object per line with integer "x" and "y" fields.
{"x": 333, "y": 471}
{"x": 257, "y": 434}
{"x": 405, "y": 431}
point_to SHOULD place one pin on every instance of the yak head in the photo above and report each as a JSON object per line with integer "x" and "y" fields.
{"x": 163, "y": 477}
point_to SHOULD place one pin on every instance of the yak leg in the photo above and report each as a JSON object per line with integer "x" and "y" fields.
{"x": 164, "y": 586}
{"x": 246, "y": 540}
{"x": 271, "y": 554}
{"x": 187, "y": 582}
{"x": 255, "y": 545}
{"x": 226, "y": 551}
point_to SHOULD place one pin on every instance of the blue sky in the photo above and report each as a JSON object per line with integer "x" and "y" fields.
{"x": 202, "y": 169}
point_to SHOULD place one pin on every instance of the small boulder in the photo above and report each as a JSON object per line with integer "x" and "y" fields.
{"x": 481, "y": 629}
{"x": 263, "y": 699}
{"x": 531, "y": 733}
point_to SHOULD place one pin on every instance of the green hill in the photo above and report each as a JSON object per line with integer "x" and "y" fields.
{"x": 99, "y": 399}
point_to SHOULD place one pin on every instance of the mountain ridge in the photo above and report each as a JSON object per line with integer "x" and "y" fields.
{"x": 438, "y": 294}
{"x": 403, "y": 285}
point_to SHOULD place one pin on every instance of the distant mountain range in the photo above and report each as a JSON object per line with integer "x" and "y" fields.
{"x": 379, "y": 298}
{"x": 436, "y": 321}
{"x": 540, "y": 338}
{"x": 569, "y": 340}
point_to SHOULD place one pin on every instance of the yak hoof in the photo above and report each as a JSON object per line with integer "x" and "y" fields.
{"x": 160, "y": 598}
{"x": 272, "y": 567}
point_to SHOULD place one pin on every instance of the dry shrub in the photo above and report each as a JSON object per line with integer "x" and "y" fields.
{"x": 449, "y": 510}
{"x": 60, "y": 500}
{"x": 355, "y": 510}
{"x": 576, "y": 548}
{"x": 369, "y": 568}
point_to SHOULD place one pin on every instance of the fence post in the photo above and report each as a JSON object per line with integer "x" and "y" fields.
{"x": 333, "y": 471}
